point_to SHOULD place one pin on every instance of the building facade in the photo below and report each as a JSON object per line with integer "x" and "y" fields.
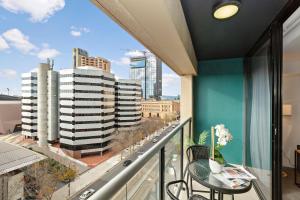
{"x": 148, "y": 70}
{"x": 29, "y": 104}
{"x": 10, "y": 114}
{"x": 128, "y": 103}
{"x": 40, "y": 104}
{"x": 87, "y": 110}
{"x": 162, "y": 109}
{"x": 81, "y": 58}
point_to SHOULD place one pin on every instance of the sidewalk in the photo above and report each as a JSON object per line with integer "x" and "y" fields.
{"x": 86, "y": 178}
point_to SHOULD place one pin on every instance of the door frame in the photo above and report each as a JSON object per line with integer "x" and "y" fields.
{"x": 275, "y": 33}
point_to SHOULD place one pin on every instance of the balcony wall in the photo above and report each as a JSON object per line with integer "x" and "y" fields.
{"x": 218, "y": 98}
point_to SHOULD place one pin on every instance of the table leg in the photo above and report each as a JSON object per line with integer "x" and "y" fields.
{"x": 212, "y": 194}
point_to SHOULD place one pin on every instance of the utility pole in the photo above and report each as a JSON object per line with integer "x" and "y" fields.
{"x": 7, "y": 91}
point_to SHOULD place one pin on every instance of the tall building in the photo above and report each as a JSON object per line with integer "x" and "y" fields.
{"x": 29, "y": 104}
{"x": 40, "y": 104}
{"x": 87, "y": 110}
{"x": 148, "y": 70}
{"x": 128, "y": 103}
{"x": 81, "y": 58}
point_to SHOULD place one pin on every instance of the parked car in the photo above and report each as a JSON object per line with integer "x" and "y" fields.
{"x": 173, "y": 126}
{"x": 87, "y": 194}
{"x": 127, "y": 162}
{"x": 155, "y": 140}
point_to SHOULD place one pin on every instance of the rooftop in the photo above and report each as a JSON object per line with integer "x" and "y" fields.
{"x": 4, "y": 97}
{"x": 13, "y": 157}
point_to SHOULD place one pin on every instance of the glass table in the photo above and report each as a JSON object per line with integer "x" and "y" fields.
{"x": 199, "y": 170}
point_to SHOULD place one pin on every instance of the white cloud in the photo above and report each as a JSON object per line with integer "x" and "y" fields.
{"x": 78, "y": 31}
{"x": 8, "y": 73}
{"x": 18, "y": 40}
{"x": 3, "y": 44}
{"x": 47, "y": 53}
{"x": 170, "y": 79}
{"x": 75, "y": 33}
{"x": 134, "y": 53}
{"x": 39, "y": 10}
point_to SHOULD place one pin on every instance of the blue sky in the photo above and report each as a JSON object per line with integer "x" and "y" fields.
{"x": 32, "y": 30}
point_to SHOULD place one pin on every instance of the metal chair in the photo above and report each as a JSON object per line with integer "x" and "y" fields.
{"x": 196, "y": 152}
{"x": 173, "y": 197}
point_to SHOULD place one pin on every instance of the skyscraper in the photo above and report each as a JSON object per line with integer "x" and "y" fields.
{"x": 148, "y": 70}
{"x": 81, "y": 58}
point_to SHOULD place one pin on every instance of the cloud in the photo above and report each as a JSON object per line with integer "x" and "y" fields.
{"x": 39, "y": 10}
{"x": 122, "y": 61}
{"x": 75, "y": 33}
{"x": 134, "y": 53}
{"x": 18, "y": 40}
{"x": 47, "y": 53}
{"x": 8, "y": 73}
{"x": 3, "y": 44}
{"x": 78, "y": 31}
{"x": 170, "y": 80}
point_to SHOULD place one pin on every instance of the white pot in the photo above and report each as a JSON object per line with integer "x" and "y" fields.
{"x": 215, "y": 167}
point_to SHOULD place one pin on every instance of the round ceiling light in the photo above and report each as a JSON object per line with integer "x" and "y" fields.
{"x": 225, "y": 9}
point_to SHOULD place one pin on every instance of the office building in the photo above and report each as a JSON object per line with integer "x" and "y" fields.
{"x": 81, "y": 58}
{"x": 29, "y": 104}
{"x": 148, "y": 70}
{"x": 40, "y": 104}
{"x": 87, "y": 110}
{"x": 163, "y": 109}
{"x": 128, "y": 103}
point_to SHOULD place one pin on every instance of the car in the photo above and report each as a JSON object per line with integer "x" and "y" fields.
{"x": 155, "y": 140}
{"x": 173, "y": 126}
{"x": 86, "y": 194}
{"x": 127, "y": 162}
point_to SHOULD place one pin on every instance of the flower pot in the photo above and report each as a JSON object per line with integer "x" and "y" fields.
{"x": 215, "y": 167}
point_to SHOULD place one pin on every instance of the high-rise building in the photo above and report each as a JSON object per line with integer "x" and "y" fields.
{"x": 40, "y": 104}
{"x": 128, "y": 103}
{"x": 29, "y": 104}
{"x": 148, "y": 70}
{"x": 81, "y": 58}
{"x": 87, "y": 110}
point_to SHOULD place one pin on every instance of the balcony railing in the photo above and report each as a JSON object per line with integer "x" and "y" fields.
{"x": 146, "y": 177}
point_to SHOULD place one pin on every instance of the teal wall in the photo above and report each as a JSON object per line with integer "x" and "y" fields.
{"x": 218, "y": 99}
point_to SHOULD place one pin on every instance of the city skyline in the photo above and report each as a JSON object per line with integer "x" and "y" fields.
{"x": 28, "y": 37}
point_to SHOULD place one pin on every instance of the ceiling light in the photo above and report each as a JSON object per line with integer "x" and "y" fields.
{"x": 225, "y": 9}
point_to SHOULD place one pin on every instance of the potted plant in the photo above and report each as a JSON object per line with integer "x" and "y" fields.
{"x": 217, "y": 162}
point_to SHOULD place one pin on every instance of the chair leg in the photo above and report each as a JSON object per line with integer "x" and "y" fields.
{"x": 191, "y": 181}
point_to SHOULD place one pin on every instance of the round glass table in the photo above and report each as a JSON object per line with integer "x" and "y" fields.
{"x": 200, "y": 172}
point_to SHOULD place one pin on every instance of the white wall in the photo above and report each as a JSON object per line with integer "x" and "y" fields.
{"x": 291, "y": 124}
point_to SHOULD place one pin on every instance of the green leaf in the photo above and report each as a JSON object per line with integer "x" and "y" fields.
{"x": 203, "y": 137}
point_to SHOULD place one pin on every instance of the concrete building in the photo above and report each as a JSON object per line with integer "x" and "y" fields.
{"x": 40, "y": 104}
{"x": 148, "y": 70}
{"x": 162, "y": 109}
{"x": 128, "y": 103}
{"x": 87, "y": 110}
{"x": 29, "y": 104}
{"x": 12, "y": 160}
{"x": 81, "y": 58}
{"x": 10, "y": 114}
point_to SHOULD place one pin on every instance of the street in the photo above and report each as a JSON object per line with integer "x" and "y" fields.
{"x": 119, "y": 167}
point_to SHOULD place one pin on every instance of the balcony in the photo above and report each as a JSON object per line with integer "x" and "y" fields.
{"x": 146, "y": 178}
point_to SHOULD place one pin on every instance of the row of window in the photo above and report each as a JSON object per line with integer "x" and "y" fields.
{"x": 88, "y": 99}
{"x": 87, "y": 76}
{"x": 130, "y": 120}
{"x": 73, "y": 122}
{"x": 84, "y": 146}
{"x": 88, "y": 114}
{"x": 86, "y": 137}
{"x": 87, "y": 91}
{"x": 73, "y": 130}
{"x": 73, "y": 106}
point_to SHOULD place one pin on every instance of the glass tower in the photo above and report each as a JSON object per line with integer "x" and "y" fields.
{"x": 148, "y": 70}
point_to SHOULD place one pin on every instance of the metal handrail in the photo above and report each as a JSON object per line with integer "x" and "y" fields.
{"x": 121, "y": 179}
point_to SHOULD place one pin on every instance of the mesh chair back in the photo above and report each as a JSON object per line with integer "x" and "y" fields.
{"x": 196, "y": 152}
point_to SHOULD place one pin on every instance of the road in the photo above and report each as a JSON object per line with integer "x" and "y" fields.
{"x": 119, "y": 167}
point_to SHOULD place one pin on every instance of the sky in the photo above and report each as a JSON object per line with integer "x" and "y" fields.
{"x": 33, "y": 30}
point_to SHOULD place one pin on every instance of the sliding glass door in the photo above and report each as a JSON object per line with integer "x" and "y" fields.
{"x": 258, "y": 129}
